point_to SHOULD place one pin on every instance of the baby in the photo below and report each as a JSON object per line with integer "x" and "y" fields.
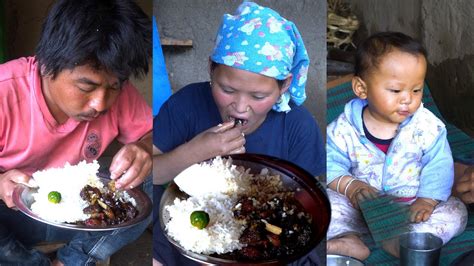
{"x": 386, "y": 142}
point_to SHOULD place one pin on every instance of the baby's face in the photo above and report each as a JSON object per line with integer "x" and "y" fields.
{"x": 394, "y": 89}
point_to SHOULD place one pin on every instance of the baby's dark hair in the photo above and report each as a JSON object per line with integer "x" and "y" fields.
{"x": 371, "y": 51}
{"x": 114, "y": 35}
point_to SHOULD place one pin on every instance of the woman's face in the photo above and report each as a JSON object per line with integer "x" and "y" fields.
{"x": 244, "y": 95}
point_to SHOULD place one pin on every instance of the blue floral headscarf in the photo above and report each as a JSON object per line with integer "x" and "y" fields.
{"x": 259, "y": 40}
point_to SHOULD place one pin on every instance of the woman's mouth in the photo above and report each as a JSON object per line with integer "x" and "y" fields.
{"x": 238, "y": 121}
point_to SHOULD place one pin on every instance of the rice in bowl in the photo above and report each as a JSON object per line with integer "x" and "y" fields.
{"x": 69, "y": 181}
{"x": 220, "y": 236}
{"x": 228, "y": 223}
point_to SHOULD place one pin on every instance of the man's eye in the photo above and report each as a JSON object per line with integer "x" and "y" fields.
{"x": 83, "y": 89}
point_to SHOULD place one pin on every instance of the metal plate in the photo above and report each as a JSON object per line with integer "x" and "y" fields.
{"x": 339, "y": 260}
{"x": 311, "y": 195}
{"x": 22, "y": 197}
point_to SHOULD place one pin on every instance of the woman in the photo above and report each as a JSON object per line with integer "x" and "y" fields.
{"x": 257, "y": 82}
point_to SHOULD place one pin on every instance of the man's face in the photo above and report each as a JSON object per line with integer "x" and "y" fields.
{"x": 82, "y": 93}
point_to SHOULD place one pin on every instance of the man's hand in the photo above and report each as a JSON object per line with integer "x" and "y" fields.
{"x": 220, "y": 140}
{"x": 465, "y": 186}
{"x": 8, "y": 181}
{"x": 421, "y": 209}
{"x": 132, "y": 163}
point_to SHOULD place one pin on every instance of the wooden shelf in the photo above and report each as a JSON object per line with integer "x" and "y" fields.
{"x": 176, "y": 42}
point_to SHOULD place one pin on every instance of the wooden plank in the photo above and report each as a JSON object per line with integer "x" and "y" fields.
{"x": 176, "y": 42}
{"x": 339, "y": 81}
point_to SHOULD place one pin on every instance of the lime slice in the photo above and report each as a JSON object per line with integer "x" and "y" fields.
{"x": 54, "y": 197}
{"x": 199, "y": 219}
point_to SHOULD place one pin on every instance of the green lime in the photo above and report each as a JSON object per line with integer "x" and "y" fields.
{"x": 54, "y": 197}
{"x": 199, "y": 219}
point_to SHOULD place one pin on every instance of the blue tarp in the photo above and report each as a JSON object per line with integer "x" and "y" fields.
{"x": 161, "y": 83}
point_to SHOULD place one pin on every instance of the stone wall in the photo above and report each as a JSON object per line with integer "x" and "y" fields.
{"x": 199, "y": 21}
{"x": 446, "y": 29}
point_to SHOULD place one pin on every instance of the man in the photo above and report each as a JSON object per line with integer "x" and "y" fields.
{"x": 464, "y": 183}
{"x": 67, "y": 104}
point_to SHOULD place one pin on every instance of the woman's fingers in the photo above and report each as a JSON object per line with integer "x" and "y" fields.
{"x": 238, "y": 150}
{"x": 232, "y": 141}
{"x": 223, "y": 127}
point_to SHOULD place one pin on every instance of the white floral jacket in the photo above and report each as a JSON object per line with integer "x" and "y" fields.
{"x": 418, "y": 163}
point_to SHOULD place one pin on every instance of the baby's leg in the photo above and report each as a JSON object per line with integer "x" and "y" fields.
{"x": 448, "y": 220}
{"x": 348, "y": 245}
{"x": 345, "y": 228}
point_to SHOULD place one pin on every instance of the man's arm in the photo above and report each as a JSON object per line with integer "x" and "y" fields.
{"x": 464, "y": 183}
{"x": 132, "y": 163}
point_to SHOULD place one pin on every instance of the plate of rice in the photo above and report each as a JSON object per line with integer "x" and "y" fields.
{"x": 258, "y": 210}
{"x": 75, "y": 197}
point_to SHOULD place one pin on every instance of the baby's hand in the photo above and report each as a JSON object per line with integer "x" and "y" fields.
{"x": 360, "y": 191}
{"x": 421, "y": 209}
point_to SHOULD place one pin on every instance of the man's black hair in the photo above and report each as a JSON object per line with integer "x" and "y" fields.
{"x": 371, "y": 51}
{"x": 114, "y": 35}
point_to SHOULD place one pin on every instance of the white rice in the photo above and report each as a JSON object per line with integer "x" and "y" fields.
{"x": 219, "y": 176}
{"x": 68, "y": 181}
{"x": 214, "y": 187}
{"x": 220, "y": 236}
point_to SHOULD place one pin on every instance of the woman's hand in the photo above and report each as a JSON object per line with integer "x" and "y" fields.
{"x": 421, "y": 209}
{"x": 132, "y": 163}
{"x": 220, "y": 140}
{"x": 464, "y": 187}
{"x": 8, "y": 181}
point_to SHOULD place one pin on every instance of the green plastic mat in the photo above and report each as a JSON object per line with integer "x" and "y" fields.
{"x": 385, "y": 218}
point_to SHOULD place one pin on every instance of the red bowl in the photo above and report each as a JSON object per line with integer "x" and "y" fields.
{"x": 310, "y": 194}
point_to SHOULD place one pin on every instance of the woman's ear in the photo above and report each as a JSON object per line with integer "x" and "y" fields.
{"x": 286, "y": 84}
{"x": 359, "y": 87}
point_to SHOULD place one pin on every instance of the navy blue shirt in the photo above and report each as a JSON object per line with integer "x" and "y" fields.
{"x": 293, "y": 136}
